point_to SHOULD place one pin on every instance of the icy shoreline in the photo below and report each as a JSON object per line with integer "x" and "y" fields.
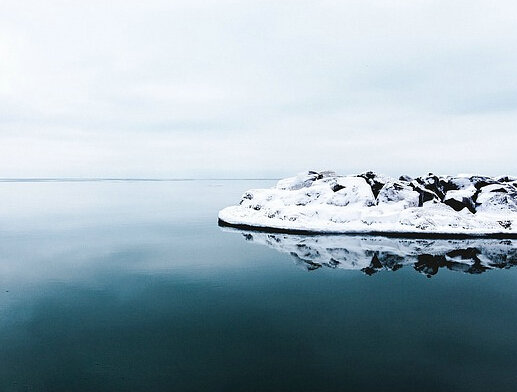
{"x": 324, "y": 202}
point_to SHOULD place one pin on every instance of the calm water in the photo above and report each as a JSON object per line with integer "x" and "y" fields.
{"x": 132, "y": 286}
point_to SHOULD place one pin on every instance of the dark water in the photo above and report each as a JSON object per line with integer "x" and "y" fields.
{"x": 132, "y": 286}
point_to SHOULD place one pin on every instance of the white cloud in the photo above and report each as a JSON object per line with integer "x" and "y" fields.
{"x": 256, "y": 88}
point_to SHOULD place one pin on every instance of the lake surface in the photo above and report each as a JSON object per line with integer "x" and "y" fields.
{"x": 132, "y": 286}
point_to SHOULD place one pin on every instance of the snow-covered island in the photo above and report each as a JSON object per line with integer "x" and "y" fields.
{"x": 324, "y": 202}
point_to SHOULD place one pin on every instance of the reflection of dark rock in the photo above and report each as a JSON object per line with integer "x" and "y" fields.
{"x": 309, "y": 264}
{"x": 383, "y": 260}
{"x": 375, "y": 265}
{"x": 429, "y": 264}
{"x": 391, "y": 261}
{"x": 372, "y": 254}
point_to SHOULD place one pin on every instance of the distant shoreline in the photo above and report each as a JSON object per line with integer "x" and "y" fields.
{"x": 130, "y": 179}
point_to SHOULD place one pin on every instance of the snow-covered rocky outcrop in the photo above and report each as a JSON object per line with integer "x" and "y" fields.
{"x": 324, "y": 202}
{"x": 371, "y": 254}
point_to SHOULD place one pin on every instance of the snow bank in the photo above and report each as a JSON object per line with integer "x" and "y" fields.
{"x": 324, "y": 202}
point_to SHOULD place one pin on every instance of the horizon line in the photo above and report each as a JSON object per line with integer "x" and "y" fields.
{"x": 121, "y": 179}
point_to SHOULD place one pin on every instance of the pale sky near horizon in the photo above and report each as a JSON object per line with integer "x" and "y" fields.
{"x": 256, "y": 88}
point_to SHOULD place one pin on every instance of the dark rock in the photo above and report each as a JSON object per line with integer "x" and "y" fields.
{"x": 319, "y": 176}
{"x": 248, "y": 196}
{"x": 424, "y": 193}
{"x": 506, "y": 179}
{"x": 447, "y": 184}
{"x": 337, "y": 187}
{"x": 375, "y": 182}
{"x": 505, "y": 224}
{"x": 458, "y": 205}
{"x": 481, "y": 181}
{"x": 436, "y": 185}
{"x": 503, "y": 190}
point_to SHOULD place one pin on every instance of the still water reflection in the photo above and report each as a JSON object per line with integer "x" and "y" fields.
{"x": 131, "y": 286}
{"x": 371, "y": 254}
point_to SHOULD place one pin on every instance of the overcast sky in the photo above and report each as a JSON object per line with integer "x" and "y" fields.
{"x": 256, "y": 88}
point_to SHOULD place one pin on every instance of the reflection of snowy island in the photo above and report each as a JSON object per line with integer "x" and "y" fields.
{"x": 323, "y": 202}
{"x": 371, "y": 254}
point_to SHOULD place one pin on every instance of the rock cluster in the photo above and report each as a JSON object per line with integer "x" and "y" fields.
{"x": 327, "y": 202}
{"x": 456, "y": 192}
